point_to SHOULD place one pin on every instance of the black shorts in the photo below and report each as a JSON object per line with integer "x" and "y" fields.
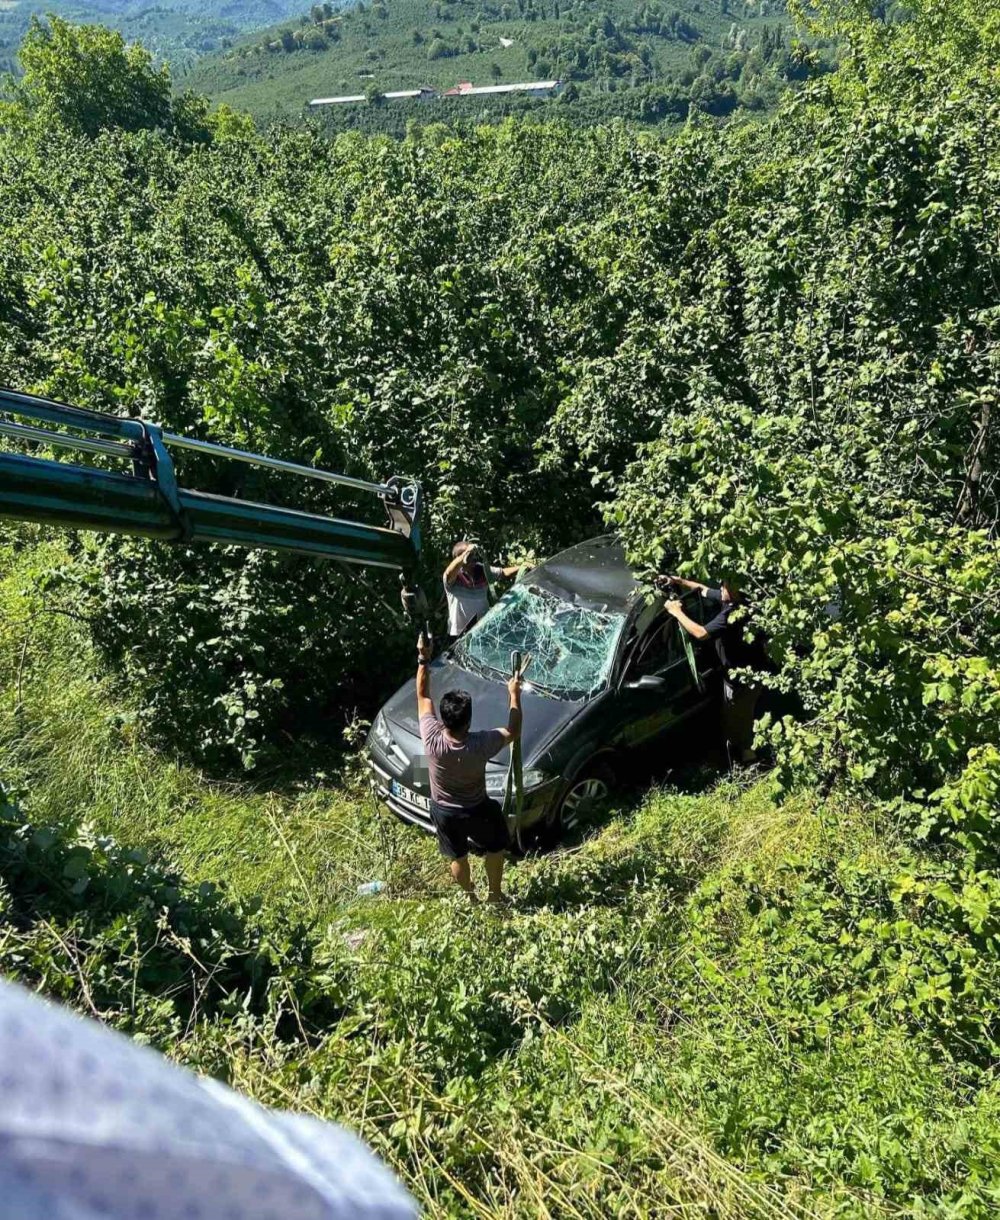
{"x": 482, "y": 827}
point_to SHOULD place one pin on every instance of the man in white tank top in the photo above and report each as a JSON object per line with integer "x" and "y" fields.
{"x": 467, "y": 588}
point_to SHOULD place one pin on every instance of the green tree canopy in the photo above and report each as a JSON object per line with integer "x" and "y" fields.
{"x": 87, "y": 79}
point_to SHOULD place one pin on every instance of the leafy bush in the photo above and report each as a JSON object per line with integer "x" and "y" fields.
{"x": 339, "y": 303}
{"x": 755, "y": 307}
{"x": 88, "y": 79}
{"x": 832, "y": 439}
{"x": 95, "y": 924}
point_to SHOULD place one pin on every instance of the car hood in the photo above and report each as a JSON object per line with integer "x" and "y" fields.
{"x": 543, "y": 715}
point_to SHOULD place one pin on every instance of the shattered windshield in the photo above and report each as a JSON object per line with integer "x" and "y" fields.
{"x": 572, "y": 647}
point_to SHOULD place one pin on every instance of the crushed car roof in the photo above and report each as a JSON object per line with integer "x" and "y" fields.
{"x": 593, "y": 574}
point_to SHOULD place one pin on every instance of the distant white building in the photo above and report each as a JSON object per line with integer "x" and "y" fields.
{"x": 506, "y": 42}
{"x": 422, "y": 94}
{"x": 537, "y": 88}
{"x": 337, "y": 101}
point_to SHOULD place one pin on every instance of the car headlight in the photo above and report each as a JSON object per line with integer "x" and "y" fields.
{"x": 496, "y": 781}
{"x": 533, "y": 778}
{"x": 381, "y": 732}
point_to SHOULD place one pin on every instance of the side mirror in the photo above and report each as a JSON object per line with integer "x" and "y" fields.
{"x": 648, "y": 682}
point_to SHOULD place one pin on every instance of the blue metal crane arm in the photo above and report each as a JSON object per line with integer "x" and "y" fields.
{"x": 48, "y": 411}
{"x": 149, "y": 503}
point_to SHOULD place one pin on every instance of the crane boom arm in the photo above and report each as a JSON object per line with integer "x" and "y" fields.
{"x": 148, "y": 502}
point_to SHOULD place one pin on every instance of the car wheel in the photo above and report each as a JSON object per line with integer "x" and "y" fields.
{"x": 590, "y": 788}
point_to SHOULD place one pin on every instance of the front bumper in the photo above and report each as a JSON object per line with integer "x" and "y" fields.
{"x": 381, "y": 784}
{"x": 538, "y": 803}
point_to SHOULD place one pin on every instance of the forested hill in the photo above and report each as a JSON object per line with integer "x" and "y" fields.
{"x": 177, "y": 31}
{"x": 649, "y": 60}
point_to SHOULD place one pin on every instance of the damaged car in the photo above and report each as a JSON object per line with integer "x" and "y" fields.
{"x": 610, "y": 674}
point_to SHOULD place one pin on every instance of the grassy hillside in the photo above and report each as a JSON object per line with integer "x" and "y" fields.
{"x": 177, "y": 31}
{"x": 707, "y": 1002}
{"x": 718, "y": 54}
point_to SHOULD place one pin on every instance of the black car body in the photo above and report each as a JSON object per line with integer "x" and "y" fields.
{"x": 610, "y": 673}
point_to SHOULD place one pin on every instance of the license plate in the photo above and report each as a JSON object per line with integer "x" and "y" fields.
{"x": 407, "y": 794}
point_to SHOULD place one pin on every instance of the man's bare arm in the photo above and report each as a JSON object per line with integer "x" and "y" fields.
{"x": 695, "y": 630}
{"x": 425, "y": 705}
{"x": 456, "y": 565}
{"x": 679, "y": 582}
{"x": 513, "y": 729}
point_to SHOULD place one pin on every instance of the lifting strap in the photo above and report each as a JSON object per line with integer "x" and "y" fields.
{"x": 688, "y": 649}
{"x": 513, "y": 792}
{"x": 692, "y": 662}
{"x": 491, "y": 597}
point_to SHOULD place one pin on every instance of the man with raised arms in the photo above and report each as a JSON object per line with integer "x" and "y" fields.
{"x": 464, "y": 816}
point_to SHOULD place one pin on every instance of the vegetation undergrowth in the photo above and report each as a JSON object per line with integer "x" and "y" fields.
{"x": 774, "y": 354}
{"x": 74, "y": 742}
{"x": 708, "y": 1001}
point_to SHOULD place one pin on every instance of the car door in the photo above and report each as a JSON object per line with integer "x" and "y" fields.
{"x": 657, "y": 688}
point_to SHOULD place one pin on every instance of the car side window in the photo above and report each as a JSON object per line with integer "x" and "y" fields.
{"x": 656, "y": 650}
{"x": 660, "y": 645}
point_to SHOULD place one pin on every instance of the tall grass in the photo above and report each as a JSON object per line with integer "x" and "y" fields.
{"x": 73, "y": 739}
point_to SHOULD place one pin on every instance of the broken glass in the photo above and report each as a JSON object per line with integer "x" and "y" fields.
{"x": 572, "y": 647}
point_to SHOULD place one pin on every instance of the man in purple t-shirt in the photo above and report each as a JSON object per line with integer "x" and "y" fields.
{"x": 461, "y": 811}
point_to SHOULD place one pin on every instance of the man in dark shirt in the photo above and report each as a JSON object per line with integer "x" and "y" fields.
{"x": 725, "y": 630}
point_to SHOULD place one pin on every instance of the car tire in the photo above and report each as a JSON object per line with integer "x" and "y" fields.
{"x": 589, "y": 787}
